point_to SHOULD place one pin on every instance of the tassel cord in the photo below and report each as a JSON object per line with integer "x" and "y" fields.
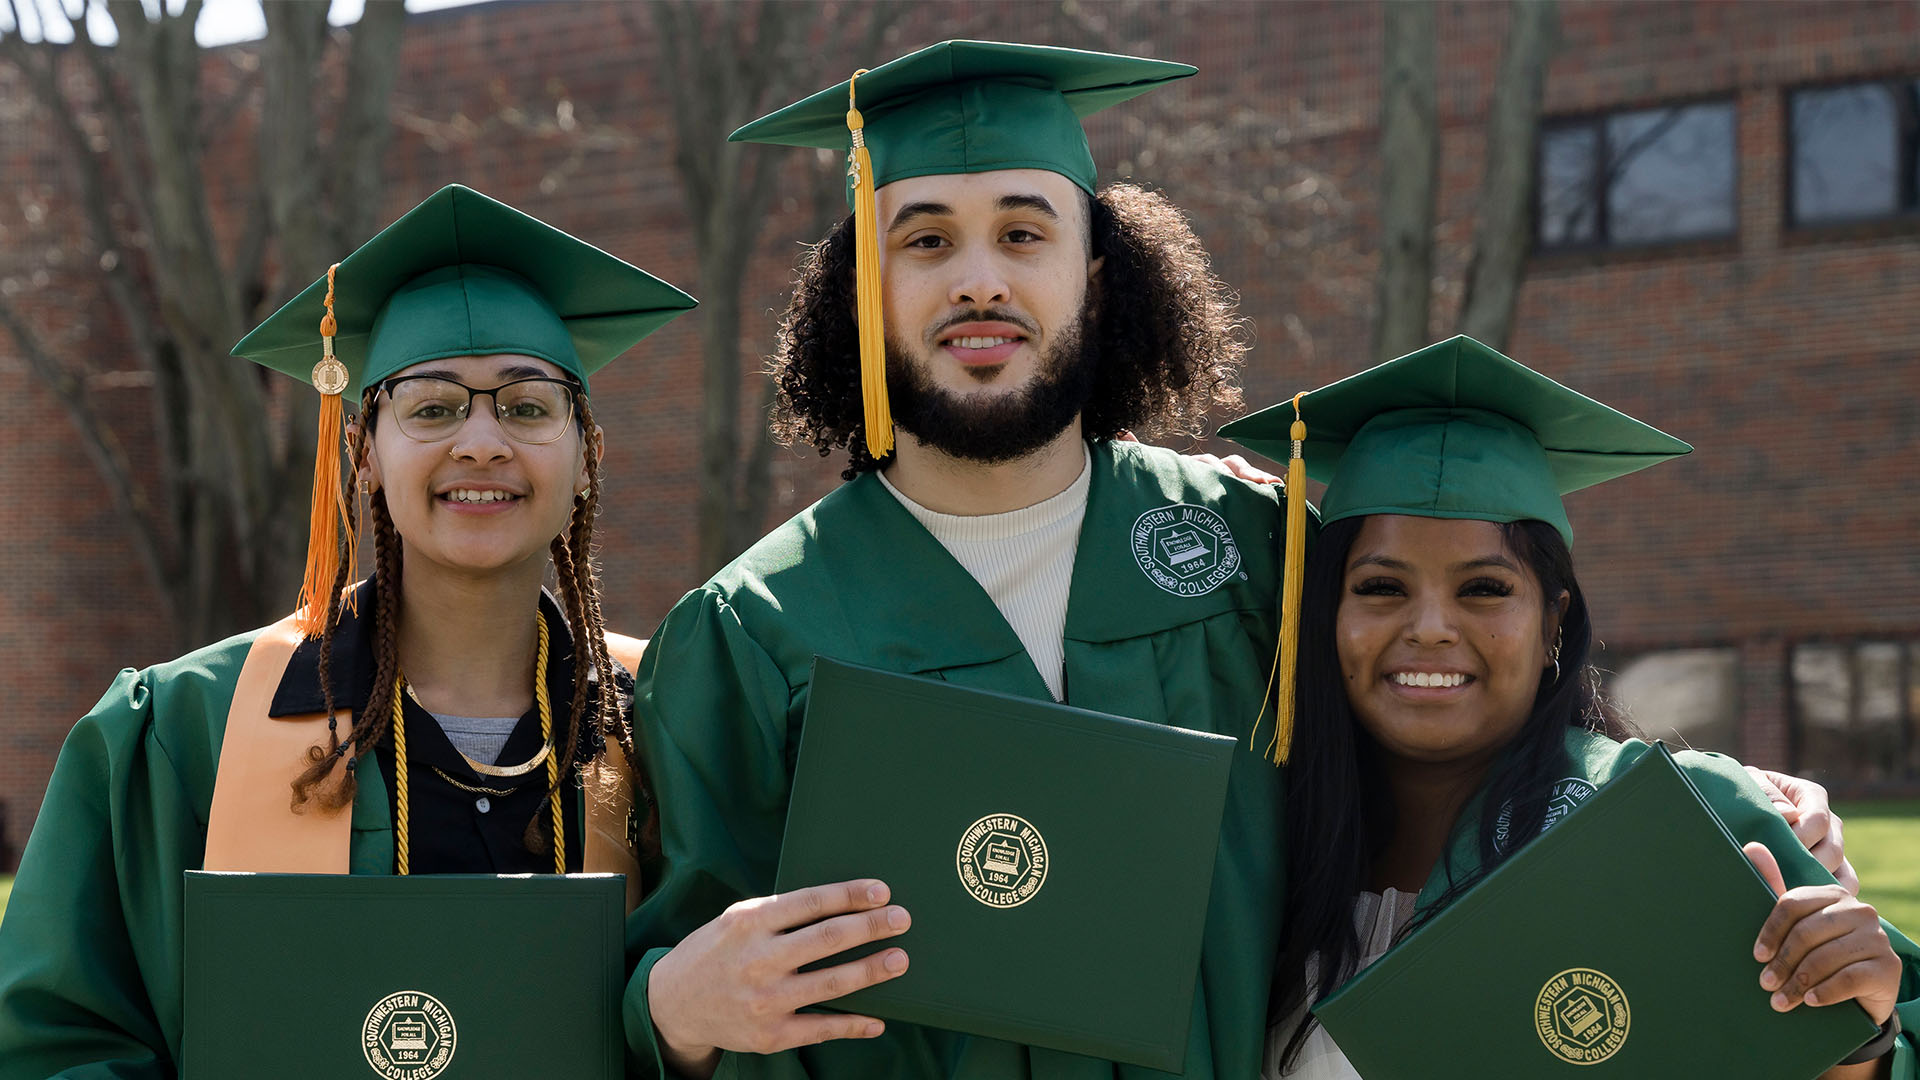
{"x": 328, "y": 511}
{"x": 878, "y": 412}
{"x": 1286, "y": 654}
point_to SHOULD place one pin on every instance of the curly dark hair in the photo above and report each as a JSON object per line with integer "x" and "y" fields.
{"x": 1166, "y": 332}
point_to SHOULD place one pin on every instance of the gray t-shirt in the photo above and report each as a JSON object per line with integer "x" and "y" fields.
{"x": 479, "y": 737}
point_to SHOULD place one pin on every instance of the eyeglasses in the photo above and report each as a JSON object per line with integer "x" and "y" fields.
{"x": 428, "y": 408}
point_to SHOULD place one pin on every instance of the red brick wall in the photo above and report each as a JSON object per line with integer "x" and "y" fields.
{"x": 1785, "y": 358}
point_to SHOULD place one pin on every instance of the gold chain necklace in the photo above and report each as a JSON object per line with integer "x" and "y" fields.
{"x": 471, "y": 789}
{"x": 401, "y": 847}
{"x": 505, "y": 772}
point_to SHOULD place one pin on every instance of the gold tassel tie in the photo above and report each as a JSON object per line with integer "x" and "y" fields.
{"x": 1286, "y": 655}
{"x": 329, "y": 508}
{"x": 866, "y": 275}
{"x": 401, "y": 848}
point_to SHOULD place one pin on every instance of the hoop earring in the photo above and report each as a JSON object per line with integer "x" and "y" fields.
{"x": 1559, "y": 639}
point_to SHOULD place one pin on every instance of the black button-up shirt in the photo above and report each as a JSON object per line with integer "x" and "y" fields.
{"x": 452, "y": 830}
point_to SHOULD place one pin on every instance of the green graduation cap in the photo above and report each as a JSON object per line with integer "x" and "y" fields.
{"x": 955, "y": 107}
{"x": 465, "y": 275}
{"x": 1454, "y": 430}
{"x": 970, "y": 106}
{"x": 459, "y": 275}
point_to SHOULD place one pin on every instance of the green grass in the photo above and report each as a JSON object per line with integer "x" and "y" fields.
{"x": 1883, "y": 843}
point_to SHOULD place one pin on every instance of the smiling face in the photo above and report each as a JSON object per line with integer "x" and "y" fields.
{"x": 476, "y": 500}
{"x": 1443, "y": 634}
{"x": 986, "y": 280}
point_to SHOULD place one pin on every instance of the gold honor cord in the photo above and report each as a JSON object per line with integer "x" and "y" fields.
{"x": 401, "y": 848}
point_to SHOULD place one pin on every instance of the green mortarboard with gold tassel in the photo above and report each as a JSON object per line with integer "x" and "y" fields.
{"x": 955, "y": 107}
{"x": 1454, "y": 430}
{"x": 458, "y": 275}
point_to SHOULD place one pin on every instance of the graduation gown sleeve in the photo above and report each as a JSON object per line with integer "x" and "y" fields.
{"x": 90, "y": 951}
{"x": 713, "y": 736}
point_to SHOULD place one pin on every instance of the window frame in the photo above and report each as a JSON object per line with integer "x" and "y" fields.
{"x": 1596, "y": 120}
{"x": 1908, "y": 217}
{"x": 1905, "y": 776}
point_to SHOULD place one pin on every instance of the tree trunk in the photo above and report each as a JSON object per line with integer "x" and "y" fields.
{"x": 218, "y": 511}
{"x": 1504, "y": 232}
{"x": 1409, "y": 164}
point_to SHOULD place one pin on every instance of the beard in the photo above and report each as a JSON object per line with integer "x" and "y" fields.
{"x": 990, "y": 428}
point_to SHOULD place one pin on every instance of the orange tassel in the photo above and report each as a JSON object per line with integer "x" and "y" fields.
{"x": 329, "y": 509}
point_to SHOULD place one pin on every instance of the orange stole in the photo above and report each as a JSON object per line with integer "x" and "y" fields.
{"x": 252, "y": 824}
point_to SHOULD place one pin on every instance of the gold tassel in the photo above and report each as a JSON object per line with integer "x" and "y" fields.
{"x": 329, "y": 508}
{"x": 1286, "y": 656}
{"x": 866, "y": 273}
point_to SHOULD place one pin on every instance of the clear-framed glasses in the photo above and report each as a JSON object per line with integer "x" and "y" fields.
{"x": 429, "y": 408}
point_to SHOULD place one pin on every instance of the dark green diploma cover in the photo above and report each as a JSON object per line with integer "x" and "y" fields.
{"x": 1057, "y": 862}
{"x": 1617, "y": 944}
{"x": 336, "y": 977}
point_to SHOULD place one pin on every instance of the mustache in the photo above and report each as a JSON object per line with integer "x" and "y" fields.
{"x": 986, "y": 315}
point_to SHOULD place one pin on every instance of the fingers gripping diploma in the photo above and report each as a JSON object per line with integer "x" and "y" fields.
{"x": 1804, "y": 804}
{"x": 1821, "y": 945}
{"x": 736, "y": 983}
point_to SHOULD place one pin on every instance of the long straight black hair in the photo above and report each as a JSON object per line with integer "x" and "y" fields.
{"x": 1339, "y": 811}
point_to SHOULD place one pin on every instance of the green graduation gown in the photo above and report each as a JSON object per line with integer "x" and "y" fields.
{"x": 90, "y": 950}
{"x": 1166, "y": 623}
{"x": 1749, "y": 815}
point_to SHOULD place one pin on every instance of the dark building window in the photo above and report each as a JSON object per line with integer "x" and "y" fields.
{"x": 1856, "y": 151}
{"x": 1856, "y": 710}
{"x": 1643, "y": 177}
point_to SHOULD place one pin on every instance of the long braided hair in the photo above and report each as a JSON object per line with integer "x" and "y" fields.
{"x": 579, "y": 588}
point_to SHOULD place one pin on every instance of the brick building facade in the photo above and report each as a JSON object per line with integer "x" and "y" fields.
{"x": 1764, "y": 590}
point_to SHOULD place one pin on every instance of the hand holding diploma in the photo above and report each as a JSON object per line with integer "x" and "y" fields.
{"x": 1822, "y": 945}
{"x": 736, "y": 983}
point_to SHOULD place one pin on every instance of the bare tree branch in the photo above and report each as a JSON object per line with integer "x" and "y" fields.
{"x": 115, "y": 110}
{"x": 85, "y": 173}
{"x": 1502, "y": 235}
{"x": 1410, "y": 168}
{"x": 360, "y": 144}
{"x": 100, "y": 442}
{"x": 289, "y": 153}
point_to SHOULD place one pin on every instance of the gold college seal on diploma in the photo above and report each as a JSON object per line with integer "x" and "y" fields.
{"x": 408, "y": 1036}
{"x": 1002, "y": 860}
{"x": 1581, "y": 1016}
